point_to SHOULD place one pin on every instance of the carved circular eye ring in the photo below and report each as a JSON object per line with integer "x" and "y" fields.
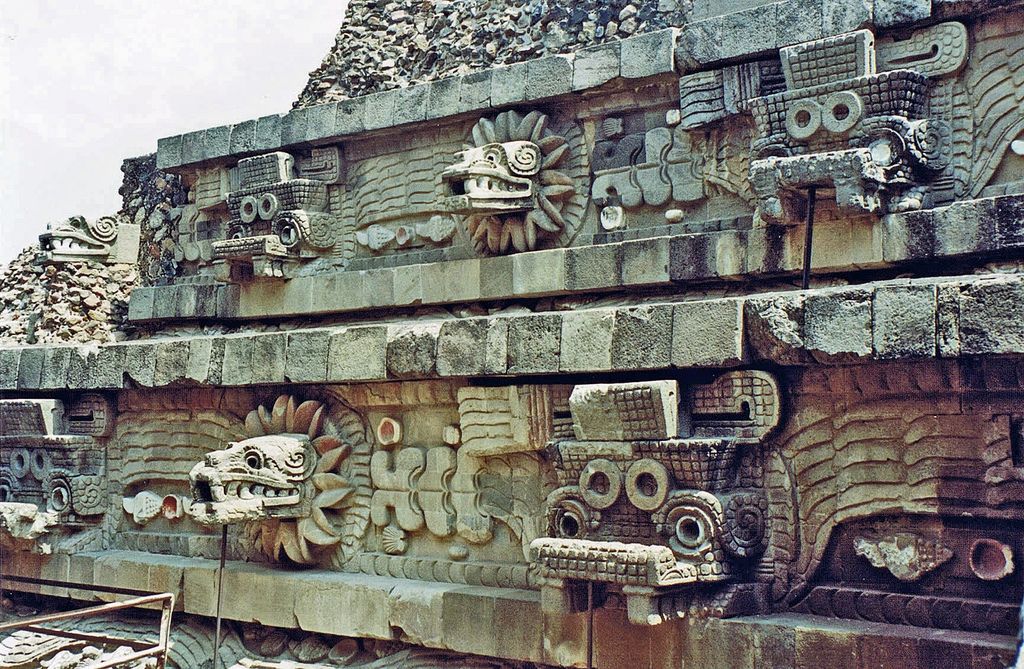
{"x": 689, "y": 530}
{"x": 648, "y": 484}
{"x": 248, "y": 208}
{"x": 59, "y": 499}
{"x": 268, "y": 206}
{"x": 39, "y": 463}
{"x": 19, "y": 463}
{"x": 803, "y": 119}
{"x": 253, "y": 460}
{"x": 841, "y": 111}
{"x": 600, "y": 483}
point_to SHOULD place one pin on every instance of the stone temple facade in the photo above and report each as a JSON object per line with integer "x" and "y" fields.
{"x": 697, "y": 347}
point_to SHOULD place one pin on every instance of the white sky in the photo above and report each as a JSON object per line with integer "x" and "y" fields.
{"x": 86, "y": 83}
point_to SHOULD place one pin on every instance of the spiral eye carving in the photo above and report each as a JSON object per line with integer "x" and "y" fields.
{"x": 103, "y": 229}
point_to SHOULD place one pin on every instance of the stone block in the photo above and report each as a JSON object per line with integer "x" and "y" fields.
{"x": 349, "y": 119}
{"x": 205, "y": 300}
{"x": 140, "y": 362}
{"x": 358, "y": 353}
{"x": 238, "y": 365}
{"x": 947, "y": 320}
{"x": 592, "y": 267}
{"x": 107, "y": 367}
{"x": 168, "y": 152}
{"x": 217, "y": 142}
{"x": 774, "y": 327}
{"x": 243, "y": 137}
{"x": 260, "y": 595}
{"x": 200, "y": 357}
{"x": 171, "y": 361}
{"x": 320, "y": 121}
{"x": 306, "y": 357}
{"x": 268, "y": 357}
{"x": 227, "y": 301}
{"x": 417, "y": 608}
{"x": 496, "y": 277}
{"x": 990, "y": 321}
{"x": 642, "y": 337}
{"x": 467, "y": 611}
{"x": 412, "y": 350}
{"x": 9, "y": 358}
{"x": 379, "y": 287}
{"x": 837, "y": 325}
{"x": 444, "y": 97}
{"x": 140, "y": 303}
{"x": 843, "y": 16}
{"x": 595, "y": 66}
{"x": 798, "y": 22}
{"x": 548, "y": 77}
{"x": 538, "y": 273}
{"x": 268, "y": 133}
{"x": 411, "y": 105}
{"x": 648, "y": 55}
{"x": 199, "y": 588}
{"x": 78, "y": 366}
{"x": 350, "y": 605}
{"x": 30, "y": 367}
{"x": 827, "y": 647}
{"x": 462, "y": 347}
{"x": 903, "y": 321}
{"x": 407, "y": 285}
{"x": 185, "y": 302}
{"x": 644, "y": 262}
{"x": 165, "y": 301}
{"x": 508, "y": 84}
{"x": 496, "y": 351}
{"x": 192, "y": 147}
{"x": 587, "y": 340}
{"x": 55, "y": 368}
{"x": 379, "y": 110}
{"x": 708, "y": 333}
{"x": 890, "y": 13}
{"x": 293, "y": 126}
{"x": 475, "y": 93}
{"x": 533, "y": 343}
{"x": 451, "y": 281}
{"x": 517, "y": 615}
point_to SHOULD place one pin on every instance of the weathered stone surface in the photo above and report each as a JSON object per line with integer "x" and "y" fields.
{"x": 412, "y": 349}
{"x": 586, "y": 340}
{"x": 595, "y": 66}
{"x": 989, "y": 314}
{"x": 534, "y": 343}
{"x": 306, "y": 358}
{"x": 239, "y": 364}
{"x": 837, "y": 325}
{"x": 358, "y": 353}
{"x": 642, "y": 337}
{"x": 904, "y": 319}
{"x": 462, "y": 347}
{"x": 708, "y": 333}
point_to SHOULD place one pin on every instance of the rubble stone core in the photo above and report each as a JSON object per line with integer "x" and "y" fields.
{"x": 460, "y": 361}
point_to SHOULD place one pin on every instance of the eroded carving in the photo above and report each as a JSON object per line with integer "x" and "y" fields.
{"x": 906, "y": 555}
{"x": 842, "y": 124}
{"x": 303, "y": 471}
{"x": 649, "y": 512}
{"x": 517, "y": 183}
{"x": 107, "y": 240}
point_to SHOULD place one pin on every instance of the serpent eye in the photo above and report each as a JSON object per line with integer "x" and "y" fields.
{"x": 493, "y": 156}
{"x": 253, "y": 460}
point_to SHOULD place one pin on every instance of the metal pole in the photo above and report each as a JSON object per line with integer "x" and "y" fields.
{"x": 808, "y": 235}
{"x": 220, "y": 594}
{"x": 590, "y": 625}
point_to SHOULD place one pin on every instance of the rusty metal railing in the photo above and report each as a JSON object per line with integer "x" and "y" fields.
{"x": 142, "y": 649}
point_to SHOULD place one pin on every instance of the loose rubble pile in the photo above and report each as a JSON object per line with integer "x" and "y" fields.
{"x": 387, "y": 45}
{"x": 72, "y": 302}
{"x": 152, "y": 200}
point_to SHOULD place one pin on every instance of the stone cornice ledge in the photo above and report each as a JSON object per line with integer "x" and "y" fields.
{"x": 704, "y": 44}
{"x": 971, "y": 227}
{"x": 891, "y": 320}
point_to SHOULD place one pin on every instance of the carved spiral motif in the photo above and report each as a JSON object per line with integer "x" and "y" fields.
{"x": 744, "y": 533}
{"x": 931, "y": 141}
{"x": 103, "y": 229}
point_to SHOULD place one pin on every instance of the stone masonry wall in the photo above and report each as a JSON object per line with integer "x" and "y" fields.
{"x": 388, "y": 45}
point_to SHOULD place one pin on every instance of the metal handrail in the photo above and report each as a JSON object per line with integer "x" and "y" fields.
{"x": 143, "y": 649}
